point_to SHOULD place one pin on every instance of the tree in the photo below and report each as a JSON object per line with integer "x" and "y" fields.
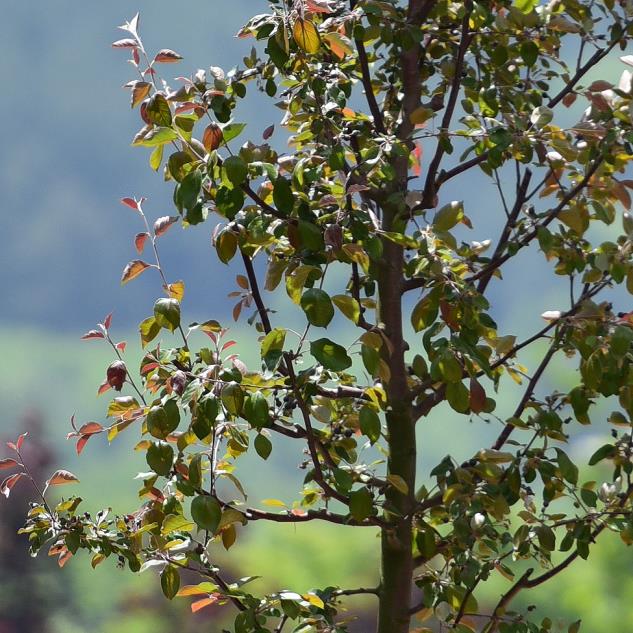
{"x": 356, "y": 224}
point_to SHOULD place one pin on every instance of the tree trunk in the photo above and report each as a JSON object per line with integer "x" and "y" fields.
{"x": 396, "y": 538}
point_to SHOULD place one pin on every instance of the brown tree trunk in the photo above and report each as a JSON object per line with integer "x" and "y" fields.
{"x": 396, "y": 538}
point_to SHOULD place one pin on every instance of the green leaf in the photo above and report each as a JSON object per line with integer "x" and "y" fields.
{"x": 170, "y": 581}
{"x": 458, "y": 396}
{"x": 568, "y": 469}
{"x": 175, "y": 523}
{"x": 149, "y": 330}
{"x": 272, "y": 348}
{"x": 206, "y": 512}
{"x": 283, "y": 196}
{"x": 317, "y": 306}
{"x": 157, "y": 136}
{"x": 605, "y": 451}
{"x": 330, "y": 355}
{"x": 233, "y": 398}
{"x": 425, "y": 311}
{"x": 448, "y": 216}
{"x": 259, "y": 415}
{"x": 236, "y": 170}
{"x": 156, "y": 158}
{"x": 161, "y": 421}
{"x": 526, "y": 6}
{"x": 263, "y": 446}
{"x": 226, "y": 245}
{"x": 167, "y": 313}
{"x": 229, "y": 201}
{"x": 232, "y": 130}
{"x": 348, "y": 306}
{"x": 360, "y": 504}
{"x": 160, "y": 457}
{"x": 370, "y": 424}
{"x": 529, "y": 52}
{"x": 158, "y": 111}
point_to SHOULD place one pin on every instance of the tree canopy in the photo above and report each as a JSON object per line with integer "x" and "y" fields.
{"x": 385, "y": 106}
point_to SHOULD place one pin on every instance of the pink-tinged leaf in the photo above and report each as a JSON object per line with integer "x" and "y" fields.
{"x": 268, "y": 132}
{"x": 121, "y": 346}
{"x": 7, "y": 463}
{"x": 81, "y": 443}
{"x": 167, "y": 56}
{"x": 61, "y": 478}
{"x": 92, "y": 334}
{"x": 228, "y": 344}
{"x": 12, "y": 446}
{"x": 149, "y": 367}
{"x": 107, "y": 321}
{"x": 183, "y": 108}
{"x": 161, "y": 226}
{"x": 8, "y": 483}
{"x": 125, "y": 43}
{"x": 21, "y": 440}
{"x": 103, "y": 387}
{"x": 139, "y": 242}
{"x": 90, "y": 428}
{"x": 136, "y": 57}
{"x": 116, "y": 375}
{"x": 298, "y": 512}
{"x": 133, "y": 270}
{"x": 64, "y": 558}
{"x": 205, "y": 602}
{"x": 130, "y": 202}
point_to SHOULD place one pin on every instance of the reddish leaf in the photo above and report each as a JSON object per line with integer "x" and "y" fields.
{"x": 21, "y": 440}
{"x": 121, "y": 346}
{"x": 90, "y": 428}
{"x": 139, "y": 241}
{"x": 8, "y": 483}
{"x": 228, "y": 344}
{"x": 116, "y": 375}
{"x": 81, "y": 443}
{"x": 125, "y": 43}
{"x": 133, "y": 270}
{"x": 64, "y": 558}
{"x": 298, "y": 512}
{"x": 212, "y": 137}
{"x": 161, "y": 226}
{"x": 167, "y": 56}
{"x": 92, "y": 334}
{"x": 7, "y": 463}
{"x": 107, "y": 321}
{"x": 61, "y": 478}
{"x": 147, "y": 368}
{"x": 268, "y": 132}
{"x": 477, "y": 396}
{"x": 130, "y": 202}
{"x": 103, "y": 387}
{"x": 205, "y": 602}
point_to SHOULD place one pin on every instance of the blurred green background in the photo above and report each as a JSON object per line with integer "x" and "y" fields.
{"x": 65, "y": 161}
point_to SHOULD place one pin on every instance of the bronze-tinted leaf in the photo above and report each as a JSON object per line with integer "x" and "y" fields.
{"x": 61, "y": 478}
{"x": 212, "y": 137}
{"x": 140, "y": 90}
{"x": 133, "y": 270}
{"x": 7, "y": 463}
{"x": 167, "y": 56}
{"x": 125, "y": 43}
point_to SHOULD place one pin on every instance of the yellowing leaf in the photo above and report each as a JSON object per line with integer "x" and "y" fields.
{"x": 306, "y": 36}
{"x": 314, "y": 600}
{"x": 204, "y": 588}
{"x": 133, "y": 270}
{"x": 398, "y": 483}
{"x": 176, "y": 290}
{"x": 274, "y": 503}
